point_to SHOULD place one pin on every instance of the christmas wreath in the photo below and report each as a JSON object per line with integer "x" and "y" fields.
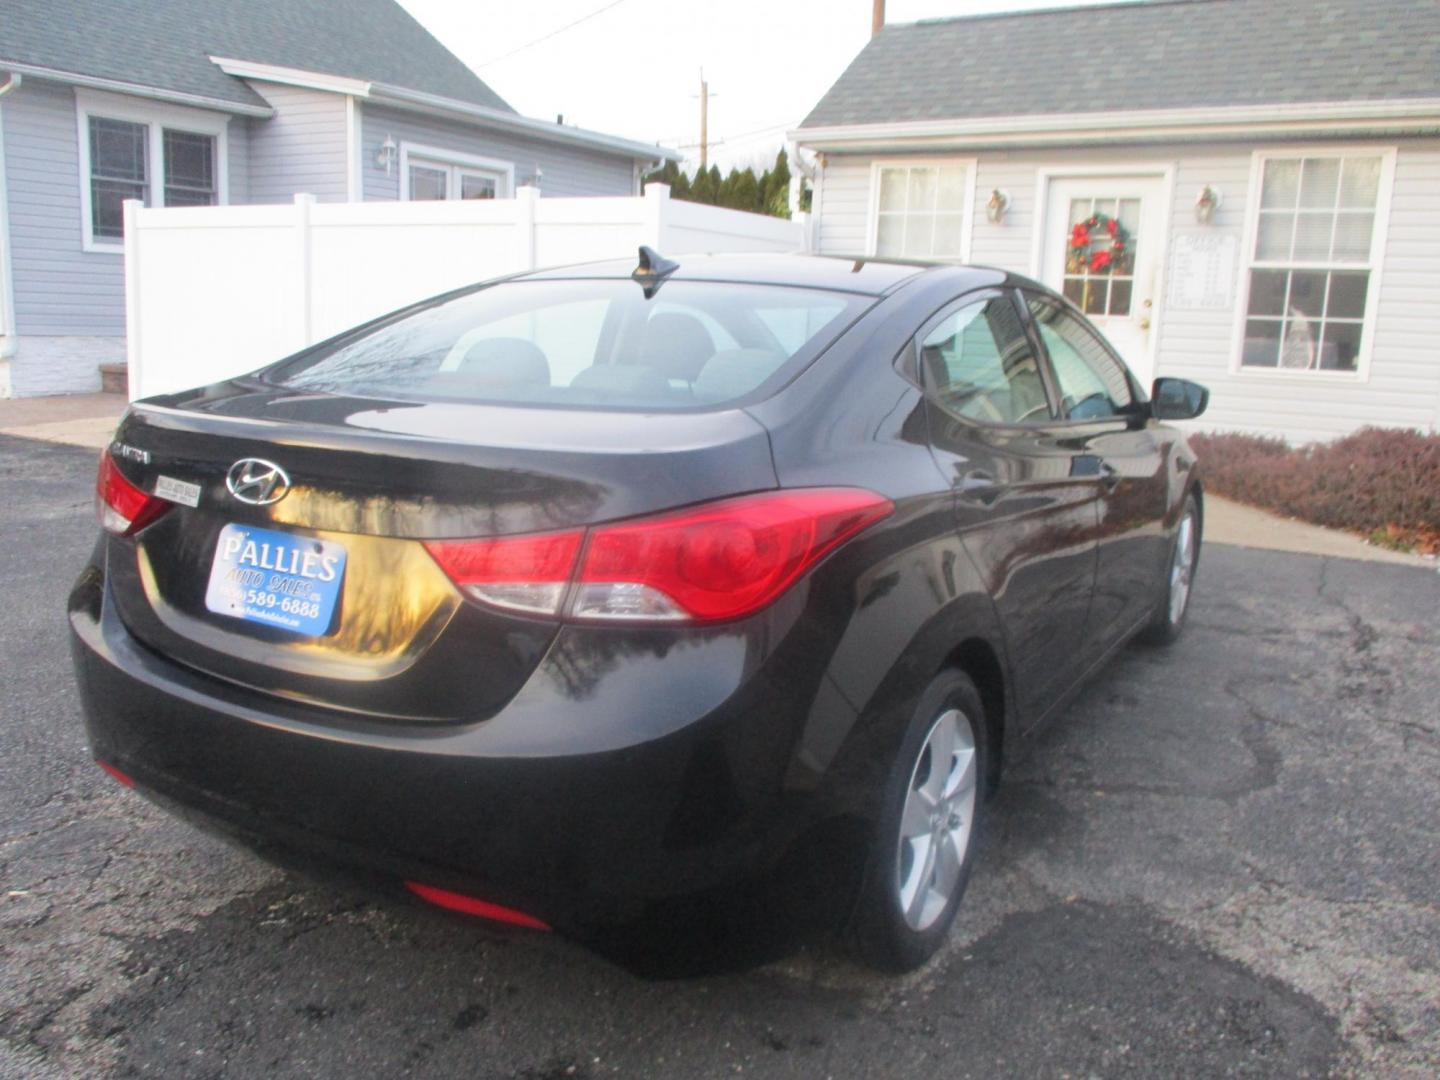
{"x": 1113, "y": 258}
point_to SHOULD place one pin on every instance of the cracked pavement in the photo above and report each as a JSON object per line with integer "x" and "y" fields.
{"x": 1224, "y": 860}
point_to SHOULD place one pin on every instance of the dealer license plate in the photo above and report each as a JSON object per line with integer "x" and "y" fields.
{"x": 285, "y": 581}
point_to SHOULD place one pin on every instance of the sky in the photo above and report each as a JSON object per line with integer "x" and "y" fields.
{"x": 632, "y": 67}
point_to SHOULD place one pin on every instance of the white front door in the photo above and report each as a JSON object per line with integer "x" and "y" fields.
{"x": 1102, "y": 248}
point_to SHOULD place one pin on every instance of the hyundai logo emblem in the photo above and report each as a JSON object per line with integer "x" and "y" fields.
{"x": 257, "y": 481}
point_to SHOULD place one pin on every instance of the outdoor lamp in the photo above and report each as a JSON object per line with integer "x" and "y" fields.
{"x": 386, "y": 157}
{"x": 1206, "y": 203}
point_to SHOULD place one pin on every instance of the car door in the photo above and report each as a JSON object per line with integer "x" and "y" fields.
{"x": 1102, "y": 416}
{"x": 1025, "y": 507}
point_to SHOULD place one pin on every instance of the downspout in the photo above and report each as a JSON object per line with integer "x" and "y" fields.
{"x": 7, "y": 303}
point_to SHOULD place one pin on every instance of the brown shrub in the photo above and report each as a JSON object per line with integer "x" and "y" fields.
{"x": 1375, "y": 479}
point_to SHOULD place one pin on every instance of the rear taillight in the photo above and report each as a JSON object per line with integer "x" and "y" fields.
{"x": 123, "y": 508}
{"x": 707, "y": 563}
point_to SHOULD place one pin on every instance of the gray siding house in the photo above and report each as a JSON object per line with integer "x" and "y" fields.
{"x": 1242, "y": 192}
{"x": 196, "y": 102}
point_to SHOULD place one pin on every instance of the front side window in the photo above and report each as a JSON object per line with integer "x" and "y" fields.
{"x": 189, "y": 169}
{"x": 920, "y": 211}
{"x": 977, "y": 363}
{"x": 590, "y": 343}
{"x": 1092, "y": 384}
{"x": 1311, "y": 261}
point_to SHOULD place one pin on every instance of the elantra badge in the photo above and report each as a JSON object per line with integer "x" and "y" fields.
{"x": 257, "y": 481}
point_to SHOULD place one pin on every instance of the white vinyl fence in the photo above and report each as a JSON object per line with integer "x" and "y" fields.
{"x": 216, "y": 291}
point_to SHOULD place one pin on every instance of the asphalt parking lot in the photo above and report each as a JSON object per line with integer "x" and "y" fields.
{"x": 1223, "y": 861}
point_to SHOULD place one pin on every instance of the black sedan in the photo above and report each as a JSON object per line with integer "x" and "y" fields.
{"x": 566, "y": 597}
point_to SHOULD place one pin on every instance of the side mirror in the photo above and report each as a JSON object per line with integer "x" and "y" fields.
{"x": 1177, "y": 399}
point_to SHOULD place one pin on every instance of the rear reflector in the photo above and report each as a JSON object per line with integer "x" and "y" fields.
{"x": 469, "y": 905}
{"x": 122, "y": 507}
{"x": 124, "y": 778}
{"x": 707, "y": 563}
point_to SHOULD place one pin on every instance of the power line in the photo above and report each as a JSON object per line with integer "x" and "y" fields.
{"x": 551, "y": 34}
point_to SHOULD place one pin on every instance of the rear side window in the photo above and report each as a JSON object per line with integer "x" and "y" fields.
{"x": 582, "y": 343}
{"x": 977, "y": 363}
{"x": 1092, "y": 384}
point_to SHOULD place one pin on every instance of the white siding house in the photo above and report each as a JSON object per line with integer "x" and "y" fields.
{"x": 347, "y": 101}
{"x": 1304, "y": 290}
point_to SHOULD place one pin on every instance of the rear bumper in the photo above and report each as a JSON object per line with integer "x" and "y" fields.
{"x": 659, "y": 774}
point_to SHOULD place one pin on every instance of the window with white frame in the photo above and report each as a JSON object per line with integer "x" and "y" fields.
{"x": 162, "y": 157}
{"x": 428, "y": 179}
{"x": 921, "y": 209}
{"x": 1313, "y": 257}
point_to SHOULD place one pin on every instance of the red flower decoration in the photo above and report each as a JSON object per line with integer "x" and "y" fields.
{"x": 1080, "y": 237}
{"x": 1112, "y": 226}
{"x": 1099, "y": 261}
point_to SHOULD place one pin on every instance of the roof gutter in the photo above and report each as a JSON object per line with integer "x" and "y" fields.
{"x": 1415, "y": 115}
{"x": 419, "y": 101}
{"x": 541, "y": 129}
{"x": 154, "y": 93}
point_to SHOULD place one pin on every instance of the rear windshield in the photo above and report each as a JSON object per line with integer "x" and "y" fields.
{"x": 587, "y": 343}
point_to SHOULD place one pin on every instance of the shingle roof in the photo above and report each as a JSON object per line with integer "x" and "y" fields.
{"x": 1160, "y": 55}
{"x": 166, "y": 44}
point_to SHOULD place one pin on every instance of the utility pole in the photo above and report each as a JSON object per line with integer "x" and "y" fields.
{"x": 705, "y": 120}
{"x": 877, "y": 18}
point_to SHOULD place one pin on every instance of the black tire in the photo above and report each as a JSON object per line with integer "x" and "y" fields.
{"x": 879, "y": 932}
{"x": 1165, "y": 628}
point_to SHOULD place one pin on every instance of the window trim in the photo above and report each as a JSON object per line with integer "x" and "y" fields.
{"x": 1374, "y": 266}
{"x": 504, "y": 171}
{"x": 967, "y": 213}
{"x": 156, "y": 117}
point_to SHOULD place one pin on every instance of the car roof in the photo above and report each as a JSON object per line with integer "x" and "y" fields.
{"x": 866, "y": 275}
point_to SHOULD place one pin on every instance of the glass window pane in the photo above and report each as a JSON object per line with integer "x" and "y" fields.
{"x": 426, "y": 183}
{"x": 951, "y": 195}
{"x": 1340, "y": 349}
{"x": 1129, "y": 216}
{"x": 118, "y": 149}
{"x": 1120, "y": 296}
{"x": 1347, "y": 296}
{"x": 919, "y": 235}
{"x": 1080, "y": 210}
{"x": 1262, "y": 343}
{"x": 1353, "y": 233}
{"x": 474, "y": 186}
{"x": 1312, "y": 237}
{"x": 1300, "y": 347}
{"x": 189, "y": 169}
{"x": 1307, "y": 293}
{"x": 107, "y": 214}
{"x": 1075, "y": 290}
{"x": 947, "y": 235}
{"x": 1267, "y": 292}
{"x": 890, "y": 235}
{"x": 1092, "y": 384}
{"x": 1281, "y": 185}
{"x": 922, "y": 189}
{"x": 1273, "y": 240}
{"x": 978, "y": 363}
{"x": 892, "y": 189}
{"x": 1097, "y": 292}
{"x": 1319, "y": 183}
{"x": 1360, "y": 183}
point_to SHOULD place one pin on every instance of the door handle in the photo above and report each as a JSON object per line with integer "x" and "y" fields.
{"x": 1110, "y": 476}
{"x": 981, "y": 486}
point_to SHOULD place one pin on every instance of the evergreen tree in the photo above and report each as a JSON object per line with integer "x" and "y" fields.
{"x": 768, "y": 193}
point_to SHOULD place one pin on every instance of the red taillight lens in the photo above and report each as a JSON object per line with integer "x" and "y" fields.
{"x": 717, "y": 561}
{"x": 123, "y": 508}
{"x": 471, "y": 905}
{"x": 522, "y": 573}
{"x": 721, "y": 560}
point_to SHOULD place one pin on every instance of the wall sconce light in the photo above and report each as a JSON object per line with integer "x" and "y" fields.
{"x": 1206, "y": 203}
{"x": 996, "y": 207}
{"x": 388, "y": 152}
